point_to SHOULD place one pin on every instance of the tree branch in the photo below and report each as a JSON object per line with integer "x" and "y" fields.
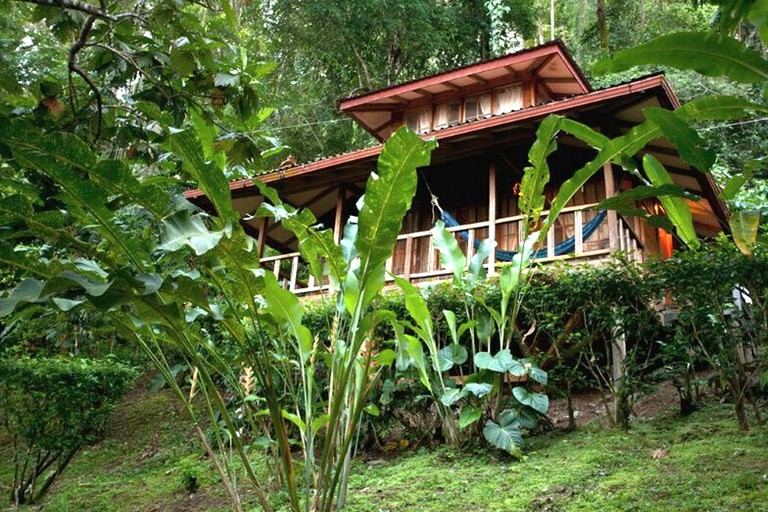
{"x": 74, "y": 68}
{"x": 75, "y": 5}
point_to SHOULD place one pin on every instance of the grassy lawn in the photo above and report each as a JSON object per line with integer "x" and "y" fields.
{"x": 709, "y": 465}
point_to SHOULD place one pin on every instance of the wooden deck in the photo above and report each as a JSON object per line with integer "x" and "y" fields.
{"x": 415, "y": 258}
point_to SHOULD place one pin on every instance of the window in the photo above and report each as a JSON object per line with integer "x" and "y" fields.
{"x": 446, "y": 114}
{"x": 419, "y": 120}
{"x": 477, "y": 107}
{"x": 508, "y": 99}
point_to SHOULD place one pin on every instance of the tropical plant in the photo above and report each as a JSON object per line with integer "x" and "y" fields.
{"x": 711, "y": 53}
{"x": 51, "y": 408}
{"x": 154, "y": 305}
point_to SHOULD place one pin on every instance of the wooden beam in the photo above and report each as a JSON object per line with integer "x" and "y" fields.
{"x": 542, "y": 63}
{"x": 452, "y": 86}
{"x": 492, "y": 215}
{"x": 559, "y": 80}
{"x": 478, "y": 79}
{"x": 511, "y": 71}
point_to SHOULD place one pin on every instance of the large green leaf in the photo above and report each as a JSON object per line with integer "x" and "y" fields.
{"x": 504, "y": 437}
{"x": 735, "y": 183}
{"x": 469, "y": 415}
{"x": 719, "y": 108}
{"x": 452, "y": 395}
{"x": 479, "y": 389}
{"x": 615, "y": 149}
{"x": 452, "y": 355}
{"x": 476, "y": 268}
{"x": 676, "y": 208}
{"x": 184, "y": 229}
{"x": 451, "y": 256}
{"x": 388, "y": 196}
{"x": 285, "y": 308}
{"x": 208, "y": 176}
{"x": 500, "y": 362}
{"x": 64, "y": 158}
{"x": 704, "y": 52}
{"x": 744, "y": 226}
{"x": 688, "y": 142}
{"x": 533, "y": 399}
{"x": 27, "y": 291}
{"x": 536, "y": 175}
{"x": 416, "y": 306}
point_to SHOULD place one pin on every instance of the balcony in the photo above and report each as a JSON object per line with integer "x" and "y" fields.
{"x": 415, "y": 258}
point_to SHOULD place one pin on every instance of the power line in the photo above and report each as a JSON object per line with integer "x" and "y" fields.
{"x": 731, "y": 125}
{"x": 330, "y": 121}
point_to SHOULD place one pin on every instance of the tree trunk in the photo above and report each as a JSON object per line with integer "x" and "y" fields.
{"x": 602, "y": 25}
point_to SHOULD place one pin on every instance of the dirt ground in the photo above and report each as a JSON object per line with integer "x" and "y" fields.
{"x": 588, "y": 405}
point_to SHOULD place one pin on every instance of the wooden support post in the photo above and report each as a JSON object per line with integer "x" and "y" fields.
{"x": 408, "y": 258}
{"x": 338, "y": 225}
{"x": 431, "y": 255}
{"x": 294, "y": 273}
{"x": 578, "y": 225}
{"x": 613, "y": 219}
{"x": 262, "y": 240}
{"x": 492, "y": 216}
{"x": 470, "y": 245}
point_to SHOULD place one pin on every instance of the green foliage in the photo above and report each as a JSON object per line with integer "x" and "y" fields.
{"x": 722, "y": 319}
{"x": 51, "y": 407}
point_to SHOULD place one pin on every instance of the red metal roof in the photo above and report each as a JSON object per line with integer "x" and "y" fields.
{"x": 555, "y": 46}
{"x": 555, "y": 107}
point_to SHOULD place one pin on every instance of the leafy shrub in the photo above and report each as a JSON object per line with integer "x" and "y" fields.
{"x": 51, "y": 407}
{"x": 722, "y": 322}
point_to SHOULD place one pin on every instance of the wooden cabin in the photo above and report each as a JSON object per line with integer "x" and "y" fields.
{"x": 484, "y": 117}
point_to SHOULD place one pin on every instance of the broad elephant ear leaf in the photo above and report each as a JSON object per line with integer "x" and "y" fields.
{"x": 504, "y": 437}
{"x": 704, "y": 52}
{"x": 388, "y": 196}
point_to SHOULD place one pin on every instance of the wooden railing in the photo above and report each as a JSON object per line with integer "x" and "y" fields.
{"x": 415, "y": 257}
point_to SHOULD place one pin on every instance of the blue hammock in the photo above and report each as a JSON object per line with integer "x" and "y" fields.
{"x": 565, "y": 247}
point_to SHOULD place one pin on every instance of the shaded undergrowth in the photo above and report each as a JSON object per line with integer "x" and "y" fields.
{"x": 703, "y": 463}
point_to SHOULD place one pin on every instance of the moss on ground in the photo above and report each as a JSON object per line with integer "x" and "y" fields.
{"x": 709, "y": 465}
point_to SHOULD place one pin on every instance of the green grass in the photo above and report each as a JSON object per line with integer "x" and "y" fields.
{"x": 709, "y": 466}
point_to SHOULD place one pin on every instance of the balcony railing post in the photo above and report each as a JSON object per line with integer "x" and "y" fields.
{"x": 578, "y": 231}
{"x": 294, "y": 273}
{"x": 470, "y": 245}
{"x": 408, "y": 257}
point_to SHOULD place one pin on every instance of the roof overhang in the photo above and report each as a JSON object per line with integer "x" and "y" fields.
{"x": 549, "y": 66}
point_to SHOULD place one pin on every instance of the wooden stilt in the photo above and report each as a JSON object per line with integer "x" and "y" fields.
{"x": 492, "y": 216}
{"x": 613, "y": 219}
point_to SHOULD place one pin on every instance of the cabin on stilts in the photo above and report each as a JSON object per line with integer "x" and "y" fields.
{"x": 484, "y": 117}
